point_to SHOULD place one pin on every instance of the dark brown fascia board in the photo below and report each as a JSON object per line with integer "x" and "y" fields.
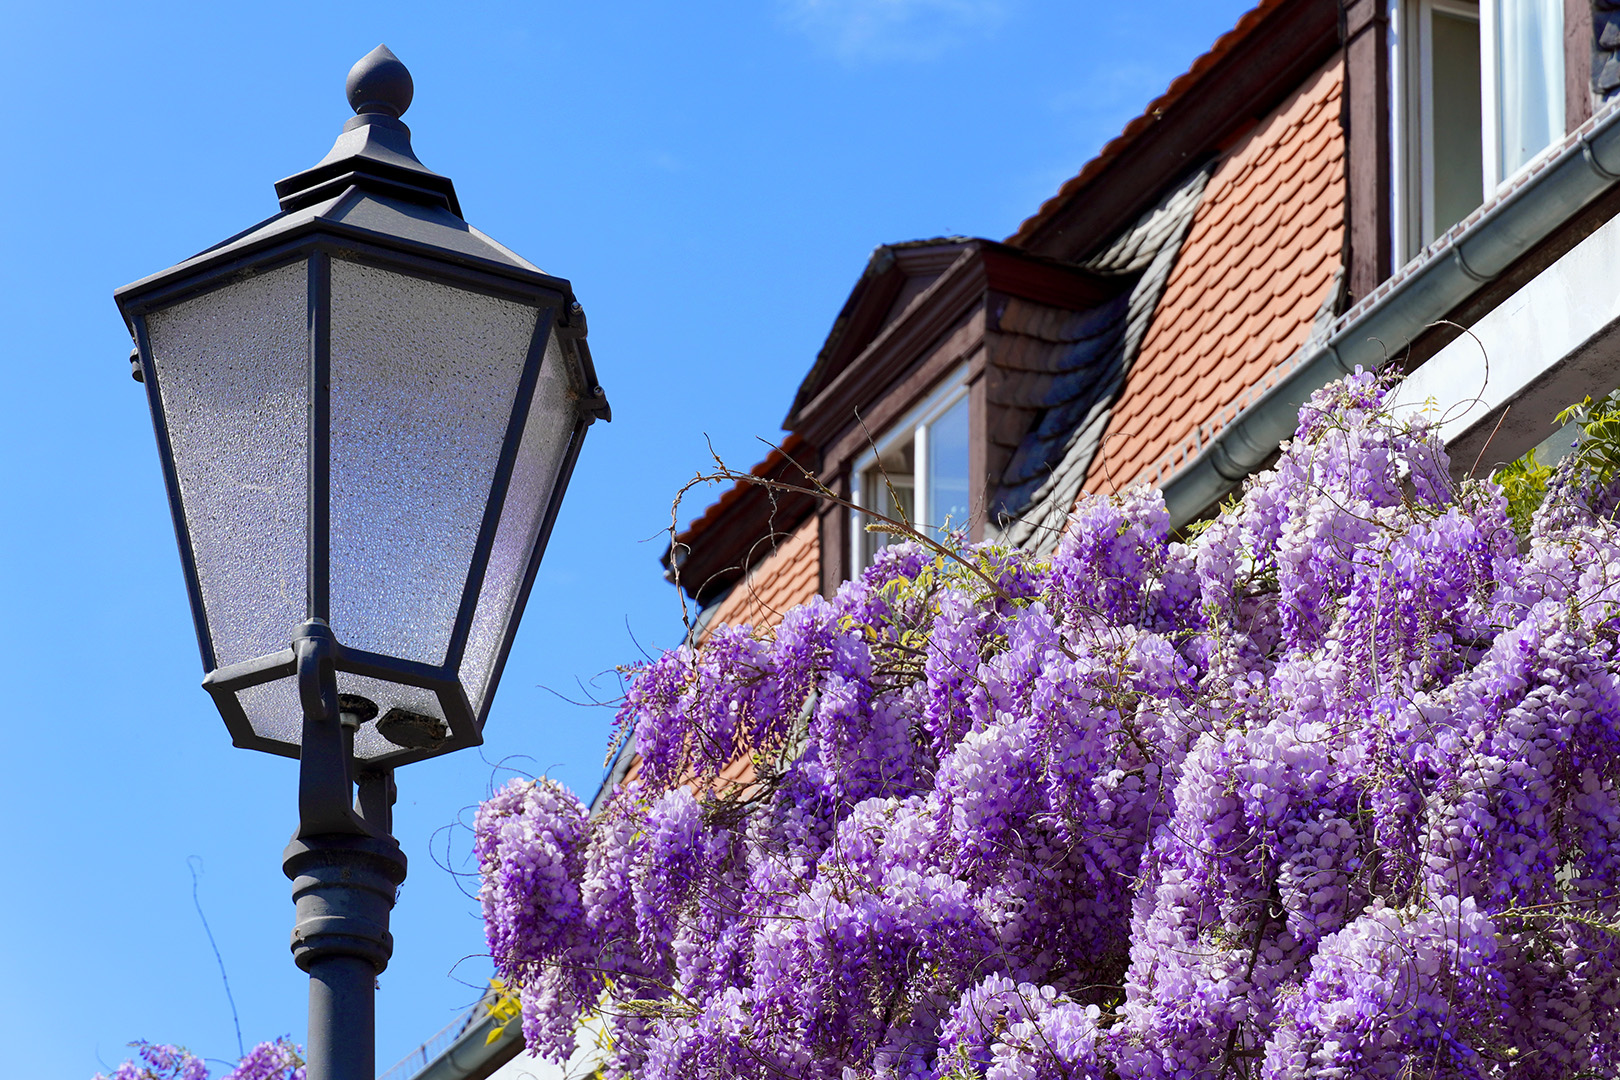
{"x": 1043, "y": 281}
{"x": 982, "y": 266}
{"x": 861, "y": 317}
{"x": 1243, "y": 86}
{"x": 934, "y": 258}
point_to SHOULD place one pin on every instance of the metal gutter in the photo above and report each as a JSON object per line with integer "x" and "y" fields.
{"x": 1443, "y": 275}
{"x": 463, "y": 1049}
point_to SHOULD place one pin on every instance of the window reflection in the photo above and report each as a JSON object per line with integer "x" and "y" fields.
{"x": 948, "y": 469}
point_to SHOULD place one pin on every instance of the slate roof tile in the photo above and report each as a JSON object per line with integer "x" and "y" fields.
{"x": 1044, "y": 473}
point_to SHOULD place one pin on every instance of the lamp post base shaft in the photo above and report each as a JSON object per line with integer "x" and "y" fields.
{"x": 343, "y": 887}
{"x": 342, "y": 1019}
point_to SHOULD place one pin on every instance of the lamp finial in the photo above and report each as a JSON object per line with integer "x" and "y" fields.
{"x": 379, "y": 83}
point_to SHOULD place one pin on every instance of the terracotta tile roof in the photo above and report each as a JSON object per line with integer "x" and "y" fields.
{"x": 788, "y": 576}
{"x": 1262, "y": 256}
{"x": 1178, "y": 89}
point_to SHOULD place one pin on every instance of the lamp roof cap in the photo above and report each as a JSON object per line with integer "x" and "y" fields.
{"x": 374, "y": 150}
{"x": 379, "y": 83}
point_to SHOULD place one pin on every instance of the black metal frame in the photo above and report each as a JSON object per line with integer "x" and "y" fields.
{"x": 317, "y": 243}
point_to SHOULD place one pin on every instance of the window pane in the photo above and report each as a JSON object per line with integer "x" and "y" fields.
{"x": 1458, "y": 158}
{"x": 423, "y": 380}
{"x": 1530, "y": 58}
{"x": 888, "y": 488}
{"x": 948, "y": 468}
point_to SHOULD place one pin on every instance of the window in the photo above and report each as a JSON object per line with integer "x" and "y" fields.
{"x": 1527, "y": 90}
{"x": 1478, "y": 92}
{"x": 918, "y": 473}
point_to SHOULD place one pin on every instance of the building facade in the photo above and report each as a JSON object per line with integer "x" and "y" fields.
{"x": 1429, "y": 184}
{"x": 1336, "y": 183}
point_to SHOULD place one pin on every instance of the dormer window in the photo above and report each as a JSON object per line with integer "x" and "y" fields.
{"x": 1478, "y": 89}
{"x": 917, "y": 473}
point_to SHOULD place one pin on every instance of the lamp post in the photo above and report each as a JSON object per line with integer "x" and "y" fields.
{"x": 367, "y": 413}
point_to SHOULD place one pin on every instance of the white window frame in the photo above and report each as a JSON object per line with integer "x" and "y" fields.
{"x": 1490, "y": 79}
{"x": 914, "y": 426}
{"x": 1411, "y": 76}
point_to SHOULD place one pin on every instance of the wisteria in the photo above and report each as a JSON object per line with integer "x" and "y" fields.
{"x": 1327, "y": 788}
{"x": 278, "y": 1060}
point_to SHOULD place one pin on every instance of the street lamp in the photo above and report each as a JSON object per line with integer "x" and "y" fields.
{"x": 367, "y": 413}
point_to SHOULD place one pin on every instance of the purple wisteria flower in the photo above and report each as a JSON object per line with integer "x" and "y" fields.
{"x": 1330, "y": 789}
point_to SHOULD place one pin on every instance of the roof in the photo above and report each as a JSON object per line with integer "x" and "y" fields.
{"x": 1088, "y": 356}
{"x": 1258, "y": 271}
{"x": 906, "y": 297}
{"x": 717, "y": 549}
{"x": 1273, "y": 48}
{"x": 880, "y": 294}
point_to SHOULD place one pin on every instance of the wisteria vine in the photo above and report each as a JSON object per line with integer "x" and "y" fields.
{"x": 1328, "y": 790}
{"x": 278, "y": 1060}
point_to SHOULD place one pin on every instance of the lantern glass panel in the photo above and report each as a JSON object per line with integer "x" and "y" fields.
{"x": 546, "y": 434}
{"x": 274, "y": 711}
{"x": 231, "y": 367}
{"x": 424, "y": 376}
{"x": 368, "y": 741}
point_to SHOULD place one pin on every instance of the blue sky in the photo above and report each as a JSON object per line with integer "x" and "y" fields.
{"x": 711, "y": 177}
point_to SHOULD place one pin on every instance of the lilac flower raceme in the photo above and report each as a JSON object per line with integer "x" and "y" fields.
{"x": 1330, "y": 788}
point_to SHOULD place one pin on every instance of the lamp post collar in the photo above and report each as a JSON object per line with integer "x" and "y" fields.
{"x": 374, "y": 150}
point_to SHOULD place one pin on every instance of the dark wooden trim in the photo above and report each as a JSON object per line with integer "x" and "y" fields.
{"x": 854, "y": 435}
{"x": 1248, "y": 82}
{"x": 862, "y": 316}
{"x": 1368, "y": 182}
{"x": 1579, "y": 44}
{"x": 982, "y": 265}
{"x": 834, "y": 539}
{"x": 1010, "y": 271}
{"x": 981, "y": 485}
{"x": 901, "y": 344}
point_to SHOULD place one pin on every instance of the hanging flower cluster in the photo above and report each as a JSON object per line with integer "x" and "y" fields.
{"x": 277, "y": 1060}
{"x": 1329, "y": 791}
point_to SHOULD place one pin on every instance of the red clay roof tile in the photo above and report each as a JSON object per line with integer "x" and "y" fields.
{"x": 783, "y": 579}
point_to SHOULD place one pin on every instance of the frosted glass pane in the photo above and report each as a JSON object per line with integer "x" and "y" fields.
{"x": 1530, "y": 58}
{"x": 546, "y": 432}
{"x": 948, "y": 469}
{"x": 232, "y": 369}
{"x": 368, "y": 743}
{"x": 274, "y": 710}
{"x": 423, "y": 378}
